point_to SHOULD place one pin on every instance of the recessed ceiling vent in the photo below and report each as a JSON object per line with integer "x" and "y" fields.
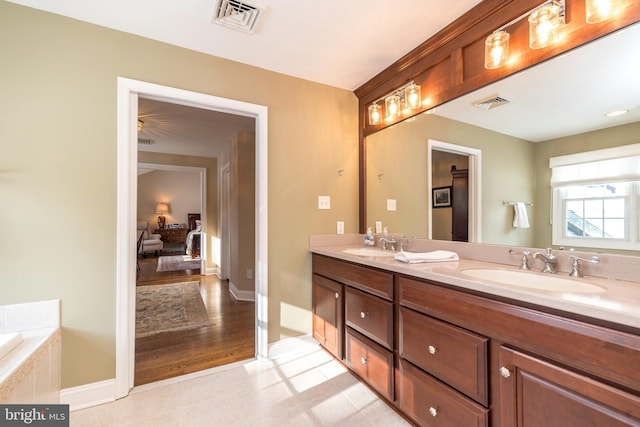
{"x": 491, "y": 102}
{"x": 146, "y": 141}
{"x": 237, "y": 15}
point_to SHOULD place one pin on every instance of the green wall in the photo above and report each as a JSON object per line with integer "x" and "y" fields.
{"x": 58, "y": 87}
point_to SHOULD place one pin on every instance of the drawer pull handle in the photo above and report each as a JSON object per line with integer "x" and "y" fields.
{"x": 337, "y": 295}
{"x": 363, "y": 360}
{"x": 433, "y": 411}
{"x": 505, "y": 372}
{"x": 363, "y": 314}
{"x": 432, "y": 349}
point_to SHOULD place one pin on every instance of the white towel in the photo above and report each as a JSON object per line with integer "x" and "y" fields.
{"x": 520, "y": 218}
{"x": 434, "y": 256}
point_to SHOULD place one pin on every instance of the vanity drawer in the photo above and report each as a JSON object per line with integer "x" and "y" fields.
{"x": 454, "y": 355}
{"x": 376, "y": 282}
{"x": 371, "y": 362}
{"x": 431, "y": 403}
{"x": 370, "y": 315}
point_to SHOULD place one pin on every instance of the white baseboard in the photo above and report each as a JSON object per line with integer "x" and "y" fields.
{"x": 210, "y": 271}
{"x": 241, "y": 295}
{"x": 88, "y": 395}
{"x": 94, "y": 394}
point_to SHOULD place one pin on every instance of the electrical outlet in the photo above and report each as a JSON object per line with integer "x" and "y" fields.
{"x": 391, "y": 204}
{"x": 340, "y": 227}
{"x": 378, "y": 227}
{"x": 324, "y": 202}
{"x": 249, "y": 273}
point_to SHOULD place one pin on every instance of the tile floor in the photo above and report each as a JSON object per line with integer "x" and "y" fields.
{"x": 303, "y": 388}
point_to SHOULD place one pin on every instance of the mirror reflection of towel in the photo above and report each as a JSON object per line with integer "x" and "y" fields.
{"x": 520, "y": 218}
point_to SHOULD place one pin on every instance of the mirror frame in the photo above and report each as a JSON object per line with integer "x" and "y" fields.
{"x": 451, "y": 63}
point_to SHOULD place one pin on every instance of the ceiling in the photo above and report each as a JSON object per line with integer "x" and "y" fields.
{"x": 344, "y": 44}
{"x": 335, "y": 42}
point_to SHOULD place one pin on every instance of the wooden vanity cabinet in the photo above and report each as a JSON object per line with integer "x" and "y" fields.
{"x": 328, "y": 314}
{"x": 449, "y": 357}
{"x": 540, "y": 393}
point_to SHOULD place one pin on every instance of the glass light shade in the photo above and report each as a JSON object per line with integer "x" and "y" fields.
{"x": 496, "y": 50}
{"x": 599, "y": 10}
{"x": 544, "y": 26}
{"x": 392, "y": 107}
{"x": 412, "y": 96}
{"x": 375, "y": 114}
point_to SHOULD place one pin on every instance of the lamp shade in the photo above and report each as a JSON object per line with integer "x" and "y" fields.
{"x": 496, "y": 50}
{"x": 599, "y": 10}
{"x": 375, "y": 114}
{"x": 162, "y": 208}
{"x": 544, "y": 26}
{"x": 412, "y": 96}
{"x": 392, "y": 107}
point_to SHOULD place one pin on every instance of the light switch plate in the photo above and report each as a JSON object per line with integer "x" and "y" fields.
{"x": 340, "y": 227}
{"x": 324, "y": 202}
{"x": 391, "y": 204}
{"x": 378, "y": 227}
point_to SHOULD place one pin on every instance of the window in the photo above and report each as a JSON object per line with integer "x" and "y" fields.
{"x": 596, "y": 198}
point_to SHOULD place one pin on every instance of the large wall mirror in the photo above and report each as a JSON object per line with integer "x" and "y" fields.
{"x": 555, "y": 108}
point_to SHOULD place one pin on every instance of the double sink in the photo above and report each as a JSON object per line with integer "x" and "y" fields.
{"x": 514, "y": 278}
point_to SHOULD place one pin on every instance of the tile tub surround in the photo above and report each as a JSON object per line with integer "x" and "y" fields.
{"x": 619, "y": 304}
{"x": 30, "y": 373}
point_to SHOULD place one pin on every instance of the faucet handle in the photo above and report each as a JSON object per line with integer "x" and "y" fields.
{"x": 575, "y": 264}
{"x": 525, "y": 258}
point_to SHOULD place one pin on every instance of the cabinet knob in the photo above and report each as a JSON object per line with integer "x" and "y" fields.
{"x": 505, "y": 372}
{"x": 337, "y": 295}
{"x": 433, "y": 411}
{"x": 363, "y": 360}
{"x": 432, "y": 349}
{"x": 363, "y": 314}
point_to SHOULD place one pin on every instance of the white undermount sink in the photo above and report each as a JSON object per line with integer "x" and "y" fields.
{"x": 368, "y": 252}
{"x": 523, "y": 279}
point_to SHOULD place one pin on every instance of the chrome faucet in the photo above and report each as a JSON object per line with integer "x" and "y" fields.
{"x": 524, "y": 261}
{"x": 390, "y": 240}
{"x": 550, "y": 261}
{"x": 575, "y": 264}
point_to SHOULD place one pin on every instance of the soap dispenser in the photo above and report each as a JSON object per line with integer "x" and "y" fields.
{"x": 368, "y": 239}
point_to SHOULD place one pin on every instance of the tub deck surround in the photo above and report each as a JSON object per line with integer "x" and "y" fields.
{"x": 30, "y": 372}
{"x": 619, "y": 304}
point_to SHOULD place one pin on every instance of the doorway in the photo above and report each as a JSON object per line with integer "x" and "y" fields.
{"x": 474, "y": 185}
{"x": 128, "y": 93}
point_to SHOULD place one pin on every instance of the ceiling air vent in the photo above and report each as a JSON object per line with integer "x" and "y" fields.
{"x": 491, "y": 102}
{"x": 146, "y": 141}
{"x": 237, "y": 15}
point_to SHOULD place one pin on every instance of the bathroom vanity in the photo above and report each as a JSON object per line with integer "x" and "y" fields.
{"x": 448, "y": 350}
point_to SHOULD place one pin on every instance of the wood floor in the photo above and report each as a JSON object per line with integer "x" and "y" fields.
{"x": 229, "y": 338}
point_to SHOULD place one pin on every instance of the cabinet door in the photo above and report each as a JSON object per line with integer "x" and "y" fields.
{"x": 534, "y": 392}
{"x": 328, "y": 314}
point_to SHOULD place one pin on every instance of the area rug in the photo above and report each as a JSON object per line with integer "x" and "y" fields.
{"x": 170, "y": 307}
{"x": 177, "y": 262}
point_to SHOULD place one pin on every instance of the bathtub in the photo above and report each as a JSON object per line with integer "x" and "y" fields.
{"x": 30, "y": 343}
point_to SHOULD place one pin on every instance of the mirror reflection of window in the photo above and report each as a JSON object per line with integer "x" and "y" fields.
{"x": 596, "y": 198}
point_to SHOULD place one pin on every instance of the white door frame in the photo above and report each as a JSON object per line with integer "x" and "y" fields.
{"x": 224, "y": 227}
{"x": 475, "y": 184}
{"x": 127, "y": 159}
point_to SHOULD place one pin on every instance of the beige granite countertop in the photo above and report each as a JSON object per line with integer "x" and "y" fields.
{"x": 619, "y": 303}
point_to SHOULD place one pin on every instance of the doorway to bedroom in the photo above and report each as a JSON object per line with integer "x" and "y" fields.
{"x": 187, "y": 317}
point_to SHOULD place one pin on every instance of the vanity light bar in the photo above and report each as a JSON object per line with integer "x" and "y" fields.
{"x": 545, "y": 22}
{"x": 397, "y": 103}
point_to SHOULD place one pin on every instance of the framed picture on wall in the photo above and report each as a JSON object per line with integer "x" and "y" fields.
{"x": 441, "y": 197}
